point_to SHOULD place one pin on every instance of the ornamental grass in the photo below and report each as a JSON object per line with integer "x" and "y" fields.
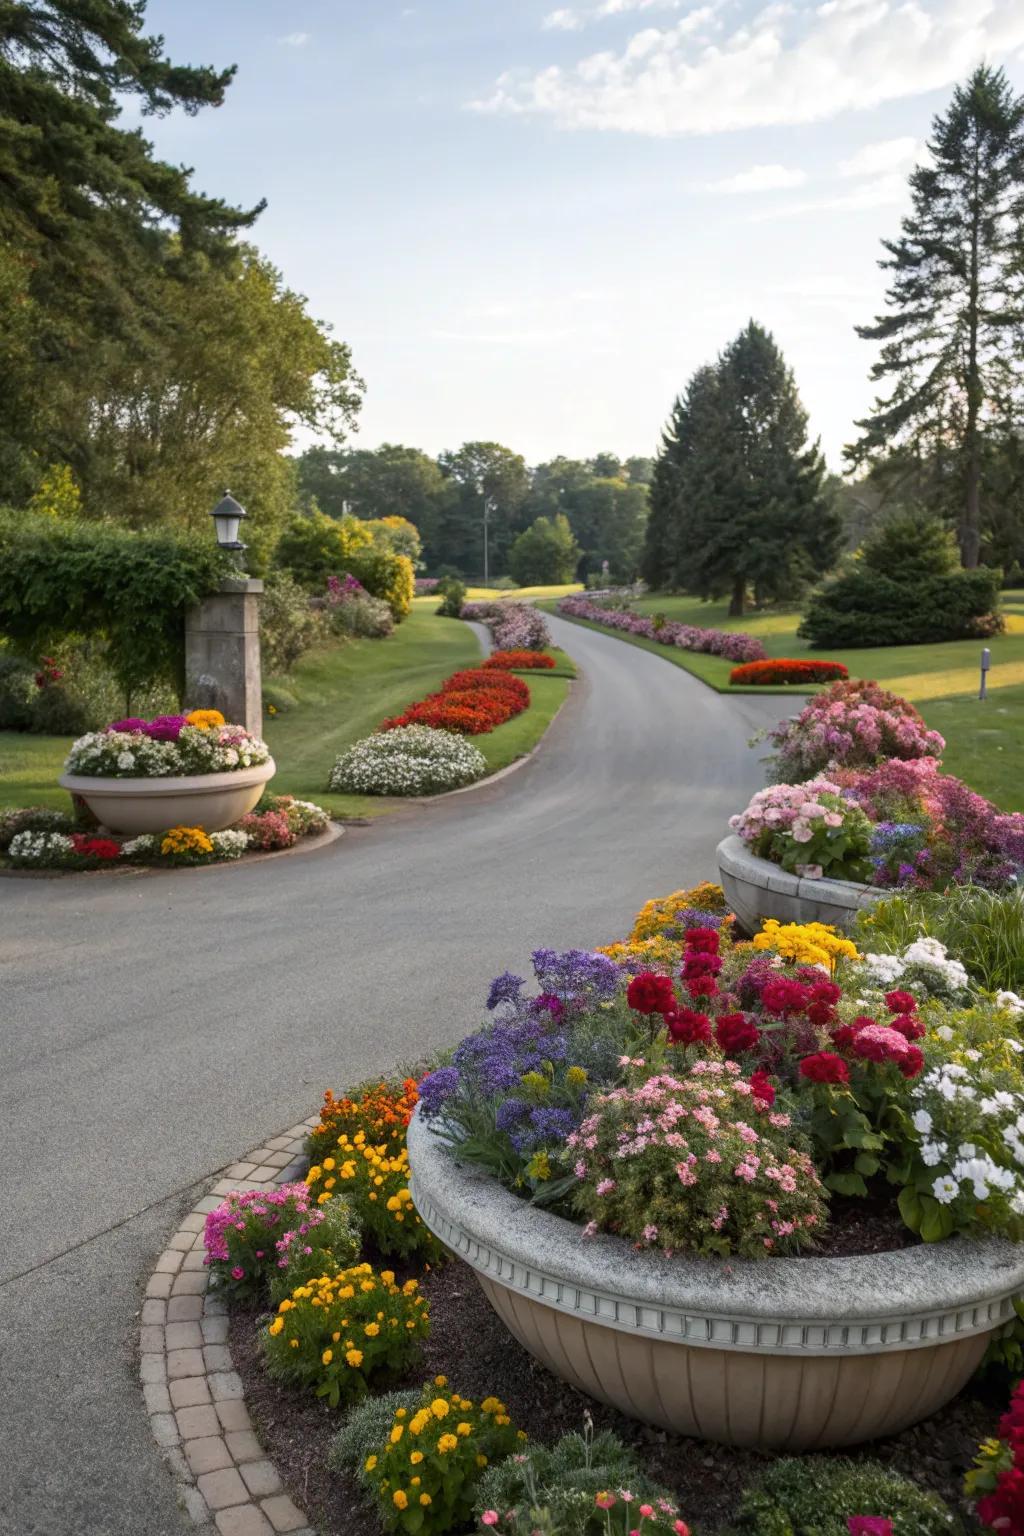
{"x": 338, "y": 1333}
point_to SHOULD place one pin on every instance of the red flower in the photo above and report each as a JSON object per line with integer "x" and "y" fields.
{"x": 1003, "y": 1510}
{"x": 826, "y": 992}
{"x": 95, "y": 847}
{"x": 761, "y": 1087}
{"x": 821, "y": 1015}
{"x": 825, "y": 1067}
{"x": 685, "y": 1027}
{"x": 900, "y": 1002}
{"x": 869, "y": 1525}
{"x": 783, "y": 669}
{"x": 648, "y": 993}
{"x": 700, "y": 964}
{"x": 911, "y": 1064}
{"x": 735, "y": 1032}
{"x": 844, "y": 1036}
{"x": 781, "y": 996}
{"x": 702, "y": 940}
{"x": 702, "y": 986}
{"x": 908, "y": 1025}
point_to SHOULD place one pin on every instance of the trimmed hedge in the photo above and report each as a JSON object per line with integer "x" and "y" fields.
{"x": 867, "y": 608}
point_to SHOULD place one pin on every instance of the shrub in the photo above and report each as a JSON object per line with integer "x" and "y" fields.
{"x": 288, "y": 625}
{"x": 781, "y": 670}
{"x": 409, "y": 760}
{"x": 304, "y": 817}
{"x": 818, "y": 1496}
{"x": 382, "y": 1111}
{"x": 983, "y": 928}
{"x": 352, "y": 611}
{"x": 733, "y": 645}
{"x": 17, "y": 693}
{"x": 513, "y": 626}
{"x": 254, "y": 1237}
{"x": 519, "y": 661}
{"x": 906, "y": 590}
{"x": 388, "y": 576}
{"x": 324, "y": 1249}
{"x": 563, "y": 1482}
{"x": 453, "y": 595}
{"x": 376, "y": 1181}
{"x": 850, "y": 725}
{"x": 425, "y": 1471}
{"x": 68, "y": 578}
{"x": 808, "y": 829}
{"x": 639, "y": 1177}
{"x": 330, "y": 1338}
{"x": 313, "y": 546}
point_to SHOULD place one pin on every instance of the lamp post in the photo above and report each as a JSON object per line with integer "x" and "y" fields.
{"x": 227, "y": 520}
{"x": 487, "y": 552}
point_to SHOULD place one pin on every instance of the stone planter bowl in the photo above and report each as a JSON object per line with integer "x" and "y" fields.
{"x": 756, "y": 889}
{"x": 212, "y": 801}
{"x": 781, "y": 1354}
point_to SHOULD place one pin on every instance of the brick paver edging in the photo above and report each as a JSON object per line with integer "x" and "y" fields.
{"x": 193, "y": 1394}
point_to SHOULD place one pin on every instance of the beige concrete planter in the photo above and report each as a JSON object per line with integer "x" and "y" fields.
{"x": 790, "y": 1354}
{"x": 757, "y": 889}
{"x": 212, "y": 801}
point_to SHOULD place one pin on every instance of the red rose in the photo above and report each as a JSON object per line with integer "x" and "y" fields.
{"x": 649, "y": 993}
{"x": 825, "y": 1067}
{"x": 900, "y": 1002}
{"x": 686, "y": 1027}
{"x": 735, "y": 1032}
{"x": 781, "y": 996}
{"x": 702, "y": 986}
{"x": 702, "y": 940}
{"x": 761, "y": 1087}
{"x": 911, "y": 1064}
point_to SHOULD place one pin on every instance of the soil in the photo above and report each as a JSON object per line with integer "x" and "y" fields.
{"x": 469, "y": 1345}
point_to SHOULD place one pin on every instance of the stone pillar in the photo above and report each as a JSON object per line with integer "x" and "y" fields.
{"x": 222, "y": 653}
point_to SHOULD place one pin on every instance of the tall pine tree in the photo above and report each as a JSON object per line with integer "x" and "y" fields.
{"x": 955, "y": 323}
{"x": 738, "y": 501}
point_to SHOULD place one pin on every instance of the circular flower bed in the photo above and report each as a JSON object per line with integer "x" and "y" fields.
{"x": 408, "y": 760}
{"x": 782, "y": 670}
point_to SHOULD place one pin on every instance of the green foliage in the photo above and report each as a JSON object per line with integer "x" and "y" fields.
{"x": 905, "y": 590}
{"x": 738, "y": 497}
{"x": 33, "y": 819}
{"x": 314, "y": 546}
{"x": 334, "y": 1245}
{"x": 361, "y": 616}
{"x": 815, "y": 1496}
{"x": 983, "y": 929}
{"x": 397, "y": 534}
{"x": 545, "y": 554}
{"x": 57, "y": 494}
{"x": 452, "y": 592}
{"x": 365, "y": 1429}
{"x": 476, "y": 473}
{"x": 389, "y": 481}
{"x": 957, "y": 285}
{"x": 563, "y": 1480}
{"x": 288, "y": 625}
{"x": 68, "y": 579}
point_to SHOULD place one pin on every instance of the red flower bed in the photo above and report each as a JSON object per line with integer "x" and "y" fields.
{"x": 779, "y": 669}
{"x": 519, "y": 661}
{"x": 471, "y": 702}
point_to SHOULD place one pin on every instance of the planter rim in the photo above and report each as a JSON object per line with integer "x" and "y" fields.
{"x": 94, "y": 783}
{"x": 735, "y": 858}
{"x": 910, "y": 1298}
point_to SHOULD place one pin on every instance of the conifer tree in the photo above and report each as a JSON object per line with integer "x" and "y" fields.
{"x": 952, "y": 336}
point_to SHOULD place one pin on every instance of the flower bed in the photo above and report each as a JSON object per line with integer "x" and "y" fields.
{"x": 734, "y": 646}
{"x": 785, "y": 1080}
{"x": 519, "y": 661}
{"x": 408, "y": 760}
{"x": 782, "y": 670}
{"x": 513, "y": 626}
{"x": 850, "y": 725}
{"x": 471, "y": 703}
{"x": 44, "y": 839}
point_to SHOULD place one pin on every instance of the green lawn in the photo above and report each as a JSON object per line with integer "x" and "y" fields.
{"x": 984, "y": 740}
{"x": 334, "y": 696}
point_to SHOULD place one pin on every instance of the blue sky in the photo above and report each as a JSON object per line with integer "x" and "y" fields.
{"x": 532, "y": 221}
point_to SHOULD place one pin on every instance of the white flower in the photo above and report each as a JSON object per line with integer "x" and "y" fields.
{"x": 944, "y": 1032}
{"x": 1011, "y": 1001}
{"x": 126, "y": 760}
{"x": 922, "y": 1121}
{"x": 945, "y": 1189}
{"x": 932, "y": 1152}
{"x": 967, "y": 1149}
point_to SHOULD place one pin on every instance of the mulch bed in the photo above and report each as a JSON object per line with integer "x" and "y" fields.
{"x": 469, "y": 1344}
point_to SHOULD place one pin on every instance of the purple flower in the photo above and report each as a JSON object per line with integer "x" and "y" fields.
{"x": 504, "y": 989}
{"x": 575, "y": 975}
{"x": 131, "y": 724}
{"x": 436, "y": 1089}
{"x": 165, "y": 727}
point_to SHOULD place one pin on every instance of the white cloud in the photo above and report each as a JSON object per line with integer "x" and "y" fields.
{"x": 883, "y": 158}
{"x": 880, "y": 192}
{"x": 760, "y": 178}
{"x": 563, "y": 20}
{"x": 793, "y": 63}
{"x": 295, "y": 39}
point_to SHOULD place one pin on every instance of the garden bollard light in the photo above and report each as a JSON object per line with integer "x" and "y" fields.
{"x": 986, "y": 662}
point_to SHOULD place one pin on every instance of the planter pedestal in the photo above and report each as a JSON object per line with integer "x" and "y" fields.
{"x": 756, "y": 889}
{"x": 781, "y": 1354}
{"x": 212, "y": 801}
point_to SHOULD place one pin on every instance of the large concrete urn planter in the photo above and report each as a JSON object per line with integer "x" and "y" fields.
{"x": 787, "y": 1354}
{"x": 756, "y": 889}
{"x": 212, "y": 801}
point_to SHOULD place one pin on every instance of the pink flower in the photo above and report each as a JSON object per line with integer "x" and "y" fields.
{"x": 489, "y": 1517}
{"x": 238, "y": 1273}
{"x": 650, "y": 1233}
{"x": 647, "y": 1510}
{"x": 604, "y": 1500}
{"x": 869, "y": 1525}
{"x": 606, "y": 1186}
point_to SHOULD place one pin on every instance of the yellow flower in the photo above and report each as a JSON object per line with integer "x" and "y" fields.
{"x": 327, "y": 1356}
{"x": 576, "y": 1076}
{"x": 463, "y": 1429}
{"x": 186, "y": 840}
{"x": 205, "y": 719}
{"x": 276, "y": 1326}
{"x": 371, "y": 1330}
{"x": 440, "y": 1381}
{"x": 370, "y": 1463}
{"x": 481, "y": 1461}
{"x": 396, "y": 1434}
{"x": 492, "y": 1405}
{"x": 399, "y": 1499}
{"x": 446, "y": 1443}
{"x": 425, "y": 1499}
{"x": 294, "y": 1343}
{"x": 388, "y": 1276}
{"x": 416, "y": 1457}
{"x": 439, "y": 1408}
{"x": 354, "y": 1358}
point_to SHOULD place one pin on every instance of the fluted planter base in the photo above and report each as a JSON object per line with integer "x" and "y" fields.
{"x": 212, "y": 801}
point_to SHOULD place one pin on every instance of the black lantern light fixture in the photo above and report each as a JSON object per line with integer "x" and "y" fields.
{"x": 227, "y": 518}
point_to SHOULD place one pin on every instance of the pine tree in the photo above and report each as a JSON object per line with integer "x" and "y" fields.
{"x": 955, "y": 323}
{"x": 672, "y": 482}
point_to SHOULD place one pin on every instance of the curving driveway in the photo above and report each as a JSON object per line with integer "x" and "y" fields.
{"x": 153, "y": 1026}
